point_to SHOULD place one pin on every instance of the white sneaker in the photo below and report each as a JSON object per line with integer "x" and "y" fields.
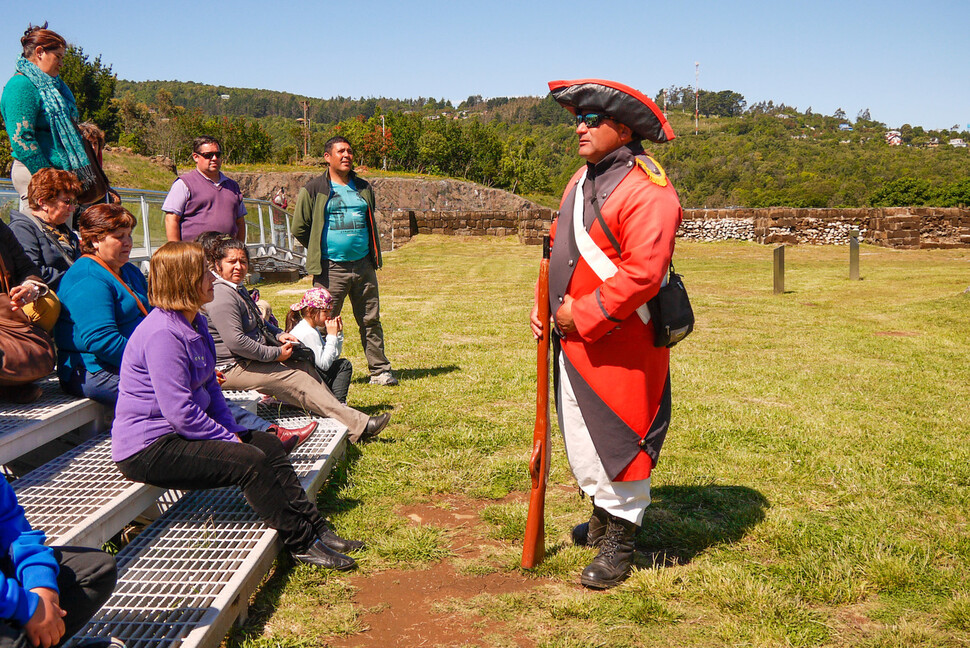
{"x": 386, "y": 379}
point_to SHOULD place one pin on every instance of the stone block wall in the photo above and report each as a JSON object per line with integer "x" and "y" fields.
{"x": 530, "y": 225}
{"x": 896, "y": 227}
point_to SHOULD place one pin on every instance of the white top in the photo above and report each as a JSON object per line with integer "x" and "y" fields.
{"x": 324, "y": 353}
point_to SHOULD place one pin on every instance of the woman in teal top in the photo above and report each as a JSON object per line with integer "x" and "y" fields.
{"x": 103, "y": 298}
{"x": 40, "y": 113}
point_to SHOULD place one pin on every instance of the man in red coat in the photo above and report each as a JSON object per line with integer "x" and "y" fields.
{"x": 612, "y": 245}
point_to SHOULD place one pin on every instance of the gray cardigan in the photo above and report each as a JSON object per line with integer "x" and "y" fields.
{"x": 233, "y": 328}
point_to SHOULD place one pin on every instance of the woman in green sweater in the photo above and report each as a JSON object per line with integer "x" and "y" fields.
{"x": 40, "y": 113}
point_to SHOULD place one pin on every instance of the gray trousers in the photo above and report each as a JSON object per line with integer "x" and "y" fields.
{"x": 298, "y": 384}
{"x": 358, "y": 280}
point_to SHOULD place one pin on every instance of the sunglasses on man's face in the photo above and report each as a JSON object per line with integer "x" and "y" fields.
{"x": 211, "y": 154}
{"x": 592, "y": 120}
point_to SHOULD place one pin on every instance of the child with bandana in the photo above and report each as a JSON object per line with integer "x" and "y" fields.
{"x": 305, "y": 320}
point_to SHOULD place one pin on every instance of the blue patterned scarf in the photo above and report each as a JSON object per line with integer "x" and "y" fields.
{"x": 62, "y": 115}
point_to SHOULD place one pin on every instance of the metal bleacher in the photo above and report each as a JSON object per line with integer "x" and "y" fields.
{"x": 188, "y": 575}
{"x": 185, "y": 579}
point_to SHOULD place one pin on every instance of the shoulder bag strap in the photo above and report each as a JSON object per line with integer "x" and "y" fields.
{"x": 141, "y": 306}
{"x": 591, "y": 253}
{"x": 43, "y": 230}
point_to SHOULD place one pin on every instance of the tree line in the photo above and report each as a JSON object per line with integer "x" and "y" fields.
{"x": 758, "y": 155}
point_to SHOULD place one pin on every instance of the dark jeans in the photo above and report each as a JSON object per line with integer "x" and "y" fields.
{"x": 259, "y": 466}
{"x": 101, "y": 386}
{"x": 358, "y": 280}
{"x": 85, "y": 581}
{"x": 338, "y": 377}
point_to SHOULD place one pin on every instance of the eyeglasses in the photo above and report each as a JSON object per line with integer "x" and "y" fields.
{"x": 211, "y": 154}
{"x": 592, "y": 120}
{"x": 70, "y": 202}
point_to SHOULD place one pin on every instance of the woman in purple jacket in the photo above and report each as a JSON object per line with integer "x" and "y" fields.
{"x": 172, "y": 428}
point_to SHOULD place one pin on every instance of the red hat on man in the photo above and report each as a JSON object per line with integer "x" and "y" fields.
{"x": 624, "y": 104}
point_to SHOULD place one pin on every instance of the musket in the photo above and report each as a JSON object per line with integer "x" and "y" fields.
{"x": 534, "y": 549}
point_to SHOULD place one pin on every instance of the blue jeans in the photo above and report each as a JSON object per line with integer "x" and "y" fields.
{"x": 101, "y": 386}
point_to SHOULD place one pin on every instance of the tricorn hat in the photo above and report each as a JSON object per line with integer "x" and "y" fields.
{"x": 624, "y": 104}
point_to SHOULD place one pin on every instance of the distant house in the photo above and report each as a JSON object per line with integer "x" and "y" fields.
{"x": 957, "y": 142}
{"x": 894, "y": 138}
{"x": 845, "y": 127}
{"x": 224, "y": 97}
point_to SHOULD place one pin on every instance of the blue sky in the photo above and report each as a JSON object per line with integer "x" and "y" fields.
{"x": 903, "y": 61}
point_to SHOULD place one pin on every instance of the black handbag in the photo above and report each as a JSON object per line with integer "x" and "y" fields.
{"x": 303, "y": 353}
{"x": 670, "y": 312}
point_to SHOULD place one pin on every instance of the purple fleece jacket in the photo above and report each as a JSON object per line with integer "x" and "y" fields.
{"x": 168, "y": 384}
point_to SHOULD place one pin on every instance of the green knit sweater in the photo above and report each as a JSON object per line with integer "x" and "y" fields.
{"x": 31, "y": 140}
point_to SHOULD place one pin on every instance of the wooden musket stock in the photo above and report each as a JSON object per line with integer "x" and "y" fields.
{"x": 534, "y": 548}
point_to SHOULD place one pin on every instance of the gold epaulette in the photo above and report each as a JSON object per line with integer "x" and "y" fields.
{"x": 653, "y": 170}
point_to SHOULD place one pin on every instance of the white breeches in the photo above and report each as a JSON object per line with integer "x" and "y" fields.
{"x": 628, "y": 499}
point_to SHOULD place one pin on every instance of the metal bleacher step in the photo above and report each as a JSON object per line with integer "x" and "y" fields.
{"x": 24, "y": 428}
{"x": 185, "y": 579}
{"x": 80, "y": 498}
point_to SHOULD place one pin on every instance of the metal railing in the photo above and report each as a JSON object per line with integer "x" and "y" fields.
{"x": 272, "y": 223}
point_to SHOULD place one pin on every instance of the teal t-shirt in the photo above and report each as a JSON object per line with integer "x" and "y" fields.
{"x": 345, "y": 233}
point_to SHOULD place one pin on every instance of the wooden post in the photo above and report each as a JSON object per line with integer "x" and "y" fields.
{"x": 854, "y": 255}
{"x": 779, "y": 269}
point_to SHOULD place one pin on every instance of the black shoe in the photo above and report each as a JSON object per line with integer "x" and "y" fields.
{"x": 589, "y": 534}
{"x": 21, "y": 394}
{"x": 337, "y": 543}
{"x": 321, "y": 555}
{"x": 375, "y": 425}
{"x": 613, "y": 563}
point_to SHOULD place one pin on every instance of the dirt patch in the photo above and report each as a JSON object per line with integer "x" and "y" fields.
{"x": 897, "y": 333}
{"x": 401, "y": 607}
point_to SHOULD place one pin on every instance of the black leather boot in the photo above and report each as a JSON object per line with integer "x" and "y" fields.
{"x": 321, "y": 555}
{"x": 335, "y": 542}
{"x": 589, "y": 534}
{"x": 613, "y": 563}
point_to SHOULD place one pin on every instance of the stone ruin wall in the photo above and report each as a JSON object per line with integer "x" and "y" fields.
{"x": 895, "y": 227}
{"x": 410, "y": 206}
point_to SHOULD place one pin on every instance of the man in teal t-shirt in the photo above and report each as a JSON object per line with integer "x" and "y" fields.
{"x": 346, "y": 228}
{"x": 334, "y": 221}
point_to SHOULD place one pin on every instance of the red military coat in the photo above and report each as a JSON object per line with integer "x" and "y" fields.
{"x": 620, "y": 379}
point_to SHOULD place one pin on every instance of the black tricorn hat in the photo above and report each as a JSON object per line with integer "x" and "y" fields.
{"x": 624, "y": 104}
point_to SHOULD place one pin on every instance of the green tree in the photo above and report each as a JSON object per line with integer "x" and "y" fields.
{"x": 93, "y": 85}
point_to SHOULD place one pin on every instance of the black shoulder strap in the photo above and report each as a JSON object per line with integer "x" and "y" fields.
{"x": 606, "y": 230}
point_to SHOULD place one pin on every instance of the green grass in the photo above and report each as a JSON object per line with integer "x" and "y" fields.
{"x": 813, "y": 489}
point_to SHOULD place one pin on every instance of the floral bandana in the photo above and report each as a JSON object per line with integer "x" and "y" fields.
{"x": 316, "y": 297}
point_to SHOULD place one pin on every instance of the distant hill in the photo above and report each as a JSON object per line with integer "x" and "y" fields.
{"x": 758, "y": 156}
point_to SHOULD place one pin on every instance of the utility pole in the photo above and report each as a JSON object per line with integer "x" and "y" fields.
{"x": 306, "y": 128}
{"x": 697, "y": 82}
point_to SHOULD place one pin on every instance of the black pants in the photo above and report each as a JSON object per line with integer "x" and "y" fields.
{"x": 259, "y": 467}
{"x": 338, "y": 378}
{"x": 85, "y": 581}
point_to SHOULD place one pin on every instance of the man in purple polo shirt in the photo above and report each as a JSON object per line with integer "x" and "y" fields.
{"x": 204, "y": 200}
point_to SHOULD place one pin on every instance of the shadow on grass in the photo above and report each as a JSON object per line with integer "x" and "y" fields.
{"x": 327, "y": 500}
{"x": 684, "y": 521}
{"x": 417, "y": 373}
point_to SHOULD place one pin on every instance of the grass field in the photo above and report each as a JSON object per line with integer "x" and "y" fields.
{"x": 813, "y": 489}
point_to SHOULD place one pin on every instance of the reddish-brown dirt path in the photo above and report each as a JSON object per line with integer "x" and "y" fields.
{"x": 400, "y": 607}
